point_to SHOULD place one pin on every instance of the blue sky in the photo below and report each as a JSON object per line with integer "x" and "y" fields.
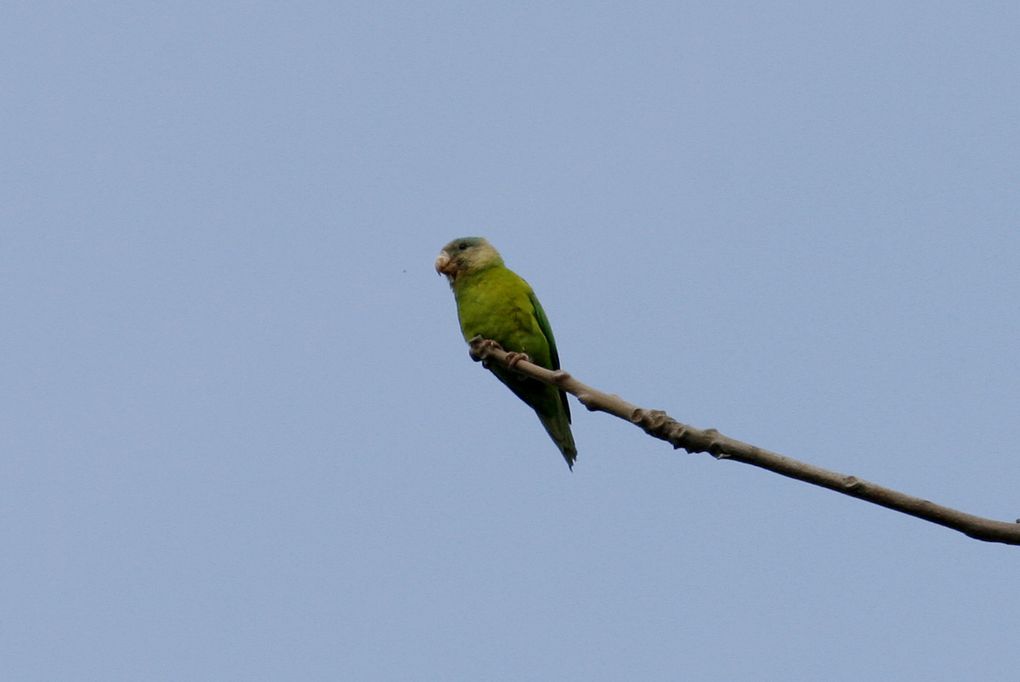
{"x": 241, "y": 437}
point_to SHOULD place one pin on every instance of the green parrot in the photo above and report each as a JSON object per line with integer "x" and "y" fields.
{"x": 493, "y": 302}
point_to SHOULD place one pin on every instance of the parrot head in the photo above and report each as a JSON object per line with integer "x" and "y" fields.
{"x": 466, "y": 255}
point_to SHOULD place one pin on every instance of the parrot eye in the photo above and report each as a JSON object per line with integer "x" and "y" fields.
{"x": 462, "y": 246}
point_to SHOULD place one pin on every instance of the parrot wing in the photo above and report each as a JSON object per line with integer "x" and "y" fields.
{"x": 554, "y": 357}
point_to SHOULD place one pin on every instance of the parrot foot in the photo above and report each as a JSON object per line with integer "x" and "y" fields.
{"x": 479, "y": 346}
{"x": 512, "y": 358}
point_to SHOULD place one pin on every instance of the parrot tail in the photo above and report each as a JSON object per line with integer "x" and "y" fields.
{"x": 558, "y": 428}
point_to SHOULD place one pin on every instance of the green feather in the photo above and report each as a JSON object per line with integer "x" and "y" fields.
{"x": 495, "y": 303}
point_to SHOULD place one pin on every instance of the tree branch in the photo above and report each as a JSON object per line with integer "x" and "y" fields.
{"x": 660, "y": 425}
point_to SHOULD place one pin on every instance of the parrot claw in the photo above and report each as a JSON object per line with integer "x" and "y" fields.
{"x": 512, "y": 358}
{"x": 478, "y": 345}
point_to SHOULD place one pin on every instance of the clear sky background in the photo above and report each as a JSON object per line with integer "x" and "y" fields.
{"x": 241, "y": 437}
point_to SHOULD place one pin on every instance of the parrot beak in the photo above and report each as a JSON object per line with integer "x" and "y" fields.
{"x": 445, "y": 266}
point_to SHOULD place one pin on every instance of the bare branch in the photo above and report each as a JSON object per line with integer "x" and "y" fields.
{"x": 660, "y": 425}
